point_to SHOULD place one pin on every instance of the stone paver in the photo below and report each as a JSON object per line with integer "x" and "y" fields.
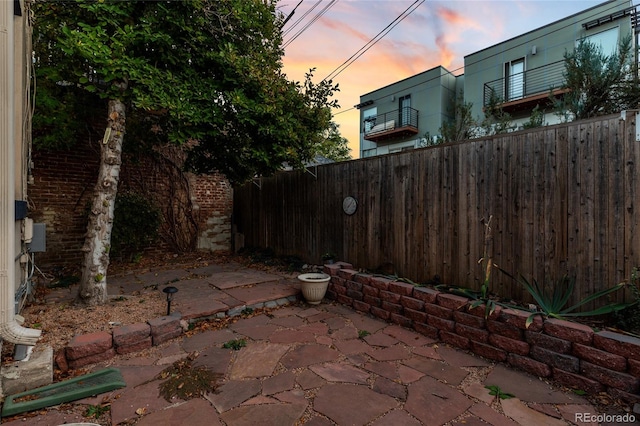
{"x": 408, "y": 337}
{"x": 257, "y": 360}
{"x": 384, "y": 369}
{"x": 312, "y": 361}
{"x": 525, "y": 416}
{"x": 350, "y": 347}
{"x": 490, "y": 416}
{"x": 458, "y": 358}
{"x": 396, "y": 418}
{"x": 257, "y": 332}
{"x": 528, "y": 388}
{"x": 196, "y": 412}
{"x": 307, "y": 379}
{"x": 351, "y": 404}
{"x": 292, "y": 336}
{"x": 380, "y": 339}
{"x": 233, "y": 393}
{"x": 229, "y": 280}
{"x": 214, "y": 359}
{"x": 435, "y": 403}
{"x": 478, "y": 391}
{"x": 144, "y": 397}
{"x": 340, "y": 373}
{"x": 395, "y": 352}
{"x": 209, "y": 338}
{"x": 261, "y": 293}
{"x": 306, "y": 355}
{"x": 389, "y": 387}
{"x": 279, "y": 383}
{"x": 437, "y": 369}
{"x": 206, "y": 271}
{"x": 268, "y": 415}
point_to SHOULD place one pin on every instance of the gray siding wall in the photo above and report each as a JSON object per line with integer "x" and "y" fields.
{"x": 551, "y": 42}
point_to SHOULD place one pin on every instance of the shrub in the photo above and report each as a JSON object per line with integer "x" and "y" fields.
{"x": 135, "y": 225}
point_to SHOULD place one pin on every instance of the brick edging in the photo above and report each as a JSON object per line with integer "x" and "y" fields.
{"x": 572, "y": 354}
{"x": 91, "y": 348}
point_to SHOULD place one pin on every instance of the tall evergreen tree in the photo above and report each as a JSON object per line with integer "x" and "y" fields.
{"x": 599, "y": 84}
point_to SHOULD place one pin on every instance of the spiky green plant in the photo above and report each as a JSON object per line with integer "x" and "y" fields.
{"x": 551, "y": 300}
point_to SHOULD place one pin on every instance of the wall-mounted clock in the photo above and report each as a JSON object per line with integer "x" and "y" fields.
{"x": 349, "y": 205}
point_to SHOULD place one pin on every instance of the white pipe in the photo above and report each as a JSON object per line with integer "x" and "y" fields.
{"x": 10, "y": 330}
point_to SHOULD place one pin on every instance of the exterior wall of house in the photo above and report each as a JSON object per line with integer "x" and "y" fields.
{"x": 538, "y": 48}
{"x": 14, "y": 151}
{"x": 432, "y": 93}
{"x": 14, "y": 35}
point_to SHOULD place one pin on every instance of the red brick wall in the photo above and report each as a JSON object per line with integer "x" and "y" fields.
{"x": 63, "y": 187}
{"x": 213, "y": 196}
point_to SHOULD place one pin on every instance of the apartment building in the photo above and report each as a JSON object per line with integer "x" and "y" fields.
{"x": 401, "y": 115}
{"x": 520, "y": 72}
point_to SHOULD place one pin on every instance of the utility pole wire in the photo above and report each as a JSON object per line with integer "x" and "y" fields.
{"x": 300, "y": 19}
{"x": 291, "y": 14}
{"x": 374, "y": 40}
{"x": 313, "y": 20}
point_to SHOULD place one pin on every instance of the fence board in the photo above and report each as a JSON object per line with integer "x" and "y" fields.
{"x": 562, "y": 197}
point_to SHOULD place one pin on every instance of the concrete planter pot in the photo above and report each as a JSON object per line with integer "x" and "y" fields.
{"x": 314, "y": 286}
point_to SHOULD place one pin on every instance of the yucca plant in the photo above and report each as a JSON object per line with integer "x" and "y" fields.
{"x": 551, "y": 302}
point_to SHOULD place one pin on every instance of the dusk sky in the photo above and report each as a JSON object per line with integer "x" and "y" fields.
{"x": 435, "y": 33}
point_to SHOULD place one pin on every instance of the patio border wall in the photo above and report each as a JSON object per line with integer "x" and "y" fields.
{"x": 571, "y": 354}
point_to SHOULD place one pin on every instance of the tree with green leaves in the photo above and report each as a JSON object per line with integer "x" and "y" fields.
{"x": 598, "y": 84}
{"x": 496, "y": 120}
{"x": 206, "y": 74}
{"x": 461, "y": 125}
{"x": 333, "y": 145}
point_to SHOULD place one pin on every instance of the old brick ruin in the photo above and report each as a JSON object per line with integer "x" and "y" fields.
{"x": 196, "y": 208}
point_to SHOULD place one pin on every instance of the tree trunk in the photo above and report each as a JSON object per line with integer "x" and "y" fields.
{"x": 93, "y": 285}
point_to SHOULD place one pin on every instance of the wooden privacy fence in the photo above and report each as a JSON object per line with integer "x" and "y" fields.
{"x": 562, "y": 199}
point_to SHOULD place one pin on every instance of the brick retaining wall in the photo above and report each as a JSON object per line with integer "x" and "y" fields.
{"x": 91, "y": 348}
{"x": 572, "y": 354}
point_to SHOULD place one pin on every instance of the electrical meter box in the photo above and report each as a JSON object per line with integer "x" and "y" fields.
{"x": 38, "y": 242}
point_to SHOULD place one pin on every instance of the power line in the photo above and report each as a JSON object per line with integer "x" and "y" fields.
{"x": 374, "y": 40}
{"x": 300, "y": 19}
{"x": 313, "y": 20}
{"x": 291, "y": 14}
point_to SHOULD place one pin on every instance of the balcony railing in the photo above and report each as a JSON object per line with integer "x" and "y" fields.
{"x": 536, "y": 81}
{"x": 398, "y": 123}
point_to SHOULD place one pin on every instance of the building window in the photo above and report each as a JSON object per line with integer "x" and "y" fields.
{"x": 405, "y": 110}
{"x": 514, "y": 79}
{"x": 369, "y": 152}
{"x": 607, "y": 41}
{"x": 369, "y": 119}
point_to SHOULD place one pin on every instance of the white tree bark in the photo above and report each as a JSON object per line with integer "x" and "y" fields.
{"x": 93, "y": 284}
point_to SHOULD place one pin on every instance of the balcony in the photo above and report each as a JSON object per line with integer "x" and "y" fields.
{"x": 523, "y": 91}
{"x": 391, "y": 125}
